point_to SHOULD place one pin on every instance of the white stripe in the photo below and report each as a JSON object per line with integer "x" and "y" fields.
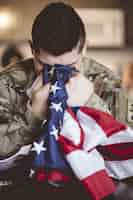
{"x": 93, "y": 133}
{"x": 85, "y": 164}
{"x": 120, "y": 169}
{"x": 120, "y": 137}
{"x": 71, "y": 129}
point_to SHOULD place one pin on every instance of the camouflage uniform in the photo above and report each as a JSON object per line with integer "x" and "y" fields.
{"x": 107, "y": 86}
{"x": 18, "y": 126}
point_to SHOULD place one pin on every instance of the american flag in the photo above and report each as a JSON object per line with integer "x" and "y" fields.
{"x": 86, "y": 142}
{"x": 49, "y": 162}
{"x": 98, "y": 148}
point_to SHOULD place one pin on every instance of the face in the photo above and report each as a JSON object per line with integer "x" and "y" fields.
{"x": 70, "y": 58}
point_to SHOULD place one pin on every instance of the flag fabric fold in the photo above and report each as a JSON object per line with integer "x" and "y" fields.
{"x": 83, "y": 142}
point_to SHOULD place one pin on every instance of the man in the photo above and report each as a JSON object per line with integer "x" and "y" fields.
{"x": 19, "y": 119}
{"x": 58, "y": 37}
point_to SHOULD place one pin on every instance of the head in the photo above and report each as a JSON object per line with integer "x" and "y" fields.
{"x": 58, "y": 36}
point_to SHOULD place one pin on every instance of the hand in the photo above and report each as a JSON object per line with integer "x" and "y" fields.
{"x": 79, "y": 91}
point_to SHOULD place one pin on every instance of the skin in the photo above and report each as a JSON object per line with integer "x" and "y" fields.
{"x": 77, "y": 96}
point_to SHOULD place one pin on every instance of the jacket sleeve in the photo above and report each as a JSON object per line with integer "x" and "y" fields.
{"x": 18, "y": 126}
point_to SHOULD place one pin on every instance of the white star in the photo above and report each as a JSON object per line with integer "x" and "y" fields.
{"x": 56, "y": 106}
{"x": 54, "y": 132}
{"x": 44, "y": 122}
{"x": 54, "y": 88}
{"x": 38, "y": 147}
{"x": 60, "y": 123}
{"x": 32, "y": 172}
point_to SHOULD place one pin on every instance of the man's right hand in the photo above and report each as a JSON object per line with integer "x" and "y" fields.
{"x": 79, "y": 90}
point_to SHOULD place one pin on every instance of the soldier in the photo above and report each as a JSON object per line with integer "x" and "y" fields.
{"x": 23, "y": 98}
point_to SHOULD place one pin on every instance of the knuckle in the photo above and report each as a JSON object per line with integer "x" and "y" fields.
{"x": 36, "y": 95}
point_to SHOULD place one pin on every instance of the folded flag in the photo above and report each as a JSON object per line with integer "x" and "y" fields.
{"x": 84, "y": 142}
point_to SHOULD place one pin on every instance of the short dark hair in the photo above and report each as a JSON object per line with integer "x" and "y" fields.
{"x": 58, "y": 29}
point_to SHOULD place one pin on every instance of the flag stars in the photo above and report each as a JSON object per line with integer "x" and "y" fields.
{"x": 60, "y": 123}
{"x": 56, "y": 106}
{"x": 44, "y": 122}
{"x": 54, "y": 132}
{"x": 38, "y": 147}
{"x": 32, "y": 172}
{"x": 54, "y": 88}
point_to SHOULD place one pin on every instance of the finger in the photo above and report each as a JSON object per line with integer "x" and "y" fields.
{"x": 46, "y": 89}
{"x": 37, "y": 83}
{"x": 79, "y": 90}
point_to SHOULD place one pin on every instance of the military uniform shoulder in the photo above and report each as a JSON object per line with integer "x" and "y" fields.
{"x": 92, "y": 69}
{"x": 19, "y": 72}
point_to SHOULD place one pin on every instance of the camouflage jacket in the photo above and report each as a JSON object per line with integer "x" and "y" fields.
{"x": 107, "y": 86}
{"x": 18, "y": 126}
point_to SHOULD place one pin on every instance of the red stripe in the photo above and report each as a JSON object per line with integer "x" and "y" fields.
{"x": 58, "y": 176}
{"x": 67, "y": 146}
{"x": 41, "y": 175}
{"x": 109, "y": 125}
{"x": 99, "y": 185}
{"x": 113, "y": 152}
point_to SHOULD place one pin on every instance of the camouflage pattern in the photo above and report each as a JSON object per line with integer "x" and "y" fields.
{"x": 107, "y": 86}
{"x": 18, "y": 126}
